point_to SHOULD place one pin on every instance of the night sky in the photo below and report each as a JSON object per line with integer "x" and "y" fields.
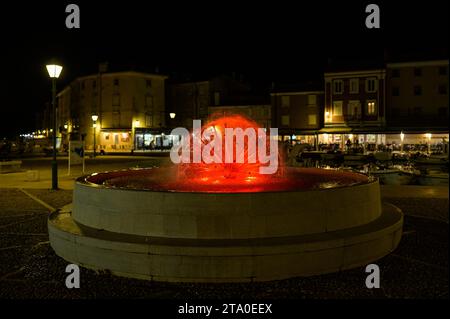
{"x": 281, "y": 41}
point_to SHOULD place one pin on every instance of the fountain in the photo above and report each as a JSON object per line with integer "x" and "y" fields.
{"x": 198, "y": 222}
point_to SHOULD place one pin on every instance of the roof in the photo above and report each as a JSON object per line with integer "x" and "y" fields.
{"x": 123, "y": 73}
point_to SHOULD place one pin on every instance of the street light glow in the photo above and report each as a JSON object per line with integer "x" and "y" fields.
{"x": 94, "y": 117}
{"x": 172, "y": 115}
{"x": 54, "y": 70}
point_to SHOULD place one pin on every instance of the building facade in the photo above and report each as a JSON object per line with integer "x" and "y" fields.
{"x": 355, "y": 106}
{"x": 417, "y": 95}
{"x": 192, "y": 100}
{"x": 298, "y": 114}
{"x": 126, "y": 103}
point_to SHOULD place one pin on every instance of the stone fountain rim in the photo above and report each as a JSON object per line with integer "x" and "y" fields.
{"x": 82, "y": 180}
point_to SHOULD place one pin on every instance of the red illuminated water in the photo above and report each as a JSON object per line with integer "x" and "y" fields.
{"x": 229, "y": 173}
{"x": 165, "y": 179}
{"x": 227, "y": 178}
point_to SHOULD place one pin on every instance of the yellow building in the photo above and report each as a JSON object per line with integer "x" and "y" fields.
{"x": 124, "y": 103}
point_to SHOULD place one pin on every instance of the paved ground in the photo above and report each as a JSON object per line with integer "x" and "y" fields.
{"x": 100, "y": 164}
{"x": 30, "y": 269}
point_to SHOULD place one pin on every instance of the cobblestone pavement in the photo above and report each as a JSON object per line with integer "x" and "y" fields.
{"x": 30, "y": 269}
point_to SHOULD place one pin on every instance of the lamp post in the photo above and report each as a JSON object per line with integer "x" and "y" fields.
{"x": 135, "y": 124}
{"x": 402, "y": 138}
{"x": 54, "y": 71}
{"x": 94, "y": 119}
{"x": 428, "y": 136}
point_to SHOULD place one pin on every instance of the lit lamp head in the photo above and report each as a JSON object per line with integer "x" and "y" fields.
{"x": 65, "y": 126}
{"x": 428, "y": 136}
{"x": 172, "y": 115}
{"x": 54, "y": 70}
{"x": 94, "y": 118}
{"x": 402, "y": 136}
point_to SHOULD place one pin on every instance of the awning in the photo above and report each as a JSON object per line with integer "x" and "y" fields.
{"x": 335, "y": 130}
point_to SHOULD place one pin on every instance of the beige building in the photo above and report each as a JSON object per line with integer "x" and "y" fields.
{"x": 125, "y": 103}
{"x": 417, "y": 96}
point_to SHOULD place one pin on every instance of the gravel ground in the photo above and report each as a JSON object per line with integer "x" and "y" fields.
{"x": 30, "y": 269}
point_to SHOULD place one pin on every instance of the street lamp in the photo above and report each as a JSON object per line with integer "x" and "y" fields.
{"x": 94, "y": 119}
{"x": 428, "y": 136}
{"x": 402, "y": 138}
{"x": 172, "y": 115}
{"x": 54, "y": 71}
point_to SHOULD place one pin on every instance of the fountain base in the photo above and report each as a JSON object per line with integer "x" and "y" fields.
{"x": 331, "y": 222}
{"x": 224, "y": 260}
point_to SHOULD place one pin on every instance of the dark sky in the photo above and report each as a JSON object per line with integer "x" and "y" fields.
{"x": 281, "y": 41}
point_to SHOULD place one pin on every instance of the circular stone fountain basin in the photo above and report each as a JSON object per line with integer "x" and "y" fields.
{"x": 145, "y": 202}
{"x": 148, "y": 224}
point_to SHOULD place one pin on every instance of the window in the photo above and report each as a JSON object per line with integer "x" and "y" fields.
{"x": 94, "y": 84}
{"x": 216, "y": 98}
{"x": 337, "y": 108}
{"x": 116, "y": 82}
{"x": 442, "y": 70}
{"x": 338, "y": 87}
{"x": 148, "y": 83}
{"x": 312, "y": 100}
{"x": 354, "y": 85}
{"x": 371, "y": 85}
{"x": 395, "y": 91}
{"x": 417, "y": 72}
{"x": 417, "y": 90}
{"x": 371, "y": 108}
{"x": 285, "y": 101}
{"x": 82, "y": 85}
{"x": 285, "y": 120}
{"x": 354, "y": 108}
{"x": 312, "y": 119}
{"x": 148, "y": 120}
{"x": 124, "y": 137}
{"x": 395, "y": 73}
{"x": 442, "y": 89}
